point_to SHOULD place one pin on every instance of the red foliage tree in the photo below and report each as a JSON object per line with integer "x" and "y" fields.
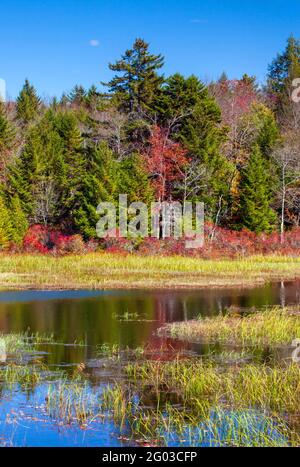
{"x": 235, "y": 98}
{"x": 165, "y": 162}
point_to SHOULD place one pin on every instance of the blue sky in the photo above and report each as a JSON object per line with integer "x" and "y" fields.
{"x": 48, "y": 41}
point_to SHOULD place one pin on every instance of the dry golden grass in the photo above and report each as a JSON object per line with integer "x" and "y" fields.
{"x": 103, "y": 271}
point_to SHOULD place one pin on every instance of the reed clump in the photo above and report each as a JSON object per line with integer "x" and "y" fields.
{"x": 275, "y": 326}
{"x": 72, "y": 401}
{"x": 201, "y": 384}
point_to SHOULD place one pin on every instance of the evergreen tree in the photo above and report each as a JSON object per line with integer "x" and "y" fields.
{"x": 255, "y": 204}
{"x": 134, "y": 180}
{"x": 7, "y": 140}
{"x": 175, "y": 102}
{"x": 74, "y": 162}
{"x": 223, "y": 77}
{"x": 256, "y": 127}
{"x": 19, "y": 223}
{"x": 194, "y": 118}
{"x": 77, "y": 95}
{"x": 5, "y": 223}
{"x": 99, "y": 184}
{"x": 283, "y": 70}
{"x": 138, "y": 83}
{"x": 28, "y": 103}
{"x": 267, "y": 133}
{"x": 92, "y": 98}
{"x": 37, "y": 176}
{"x": 217, "y": 144}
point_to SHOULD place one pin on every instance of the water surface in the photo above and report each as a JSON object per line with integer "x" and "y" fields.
{"x": 81, "y": 321}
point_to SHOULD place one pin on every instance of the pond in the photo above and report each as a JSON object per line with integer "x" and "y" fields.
{"x": 81, "y": 323}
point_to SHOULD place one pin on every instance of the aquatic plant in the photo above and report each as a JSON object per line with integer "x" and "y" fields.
{"x": 274, "y": 326}
{"x": 203, "y": 383}
{"x": 25, "y": 376}
{"x": 71, "y": 401}
{"x": 22, "y": 342}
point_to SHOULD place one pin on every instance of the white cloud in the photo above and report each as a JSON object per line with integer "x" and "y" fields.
{"x": 94, "y": 43}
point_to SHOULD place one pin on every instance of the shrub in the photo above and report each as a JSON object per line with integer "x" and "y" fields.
{"x": 40, "y": 239}
{"x": 219, "y": 243}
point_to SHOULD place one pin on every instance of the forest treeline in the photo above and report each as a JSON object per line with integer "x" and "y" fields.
{"x": 233, "y": 144}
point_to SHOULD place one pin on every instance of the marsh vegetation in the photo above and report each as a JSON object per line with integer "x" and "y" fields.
{"x": 105, "y": 271}
{"x": 236, "y": 386}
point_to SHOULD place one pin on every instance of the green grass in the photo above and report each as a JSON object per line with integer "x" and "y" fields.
{"x": 72, "y": 401}
{"x": 274, "y": 326}
{"x": 219, "y": 428}
{"x": 27, "y": 377}
{"x": 103, "y": 270}
{"x": 224, "y": 406}
{"x": 200, "y": 385}
{"x": 191, "y": 401}
{"x": 116, "y": 352}
{"x": 21, "y": 343}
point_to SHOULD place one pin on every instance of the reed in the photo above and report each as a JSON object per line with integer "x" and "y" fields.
{"x": 275, "y": 326}
{"x": 201, "y": 384}
{"x": 105, "y": 270}
{"x": 71, "y": 402}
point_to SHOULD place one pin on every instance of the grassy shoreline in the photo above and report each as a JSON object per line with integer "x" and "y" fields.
{"x": 108, "y": 271}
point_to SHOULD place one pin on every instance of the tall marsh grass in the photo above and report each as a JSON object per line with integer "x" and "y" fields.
{"x": 202, "y": 385}
{"x": 105, "y": 270}
{"x": 274, "y": 326}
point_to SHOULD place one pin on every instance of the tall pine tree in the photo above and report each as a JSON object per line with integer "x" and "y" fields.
{"x": 7, "y": 140}
{"x": 137, "y": 82}
{"x": 28, "y": 104}
{"x": 255, "y": 203}
{"x": 283, "y": 70}
{"x": 5, "y": 223}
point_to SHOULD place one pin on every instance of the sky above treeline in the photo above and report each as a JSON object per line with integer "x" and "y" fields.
{"x": 59, "y": 43}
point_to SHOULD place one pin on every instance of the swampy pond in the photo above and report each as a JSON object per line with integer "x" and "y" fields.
{"x": 63, "y": 352}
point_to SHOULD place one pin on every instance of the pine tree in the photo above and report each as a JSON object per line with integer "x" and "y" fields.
{"x": 37, "y": 175}
{"x": 223, "y": 77}
{"x": 77, "y": 95}
{"x": 74, "y": 161}
{"x": 7, "y": 140}
{"x": 5, "y": 224}
{"x": 267, "y": 132}
{"x": 28, "y": 104}
{"x": 134, "y": 180}
{"x": 176, "y": 101}
{"x": 194, "y": 119}
{"x": 256, "y": 127}
{"x": 139, "y": 82}
{"x": 283, "y": 70}
{"x": 256, "y": 212}
{"x": 92, "y": 98}
{"x": 19, "y": 223}
{"x": 99, "y": 184}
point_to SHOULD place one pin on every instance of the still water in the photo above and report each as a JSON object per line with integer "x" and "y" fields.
{"x": 82, "y": 320}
